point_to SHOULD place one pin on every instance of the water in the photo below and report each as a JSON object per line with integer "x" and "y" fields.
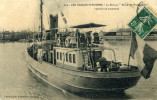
{"x": 17, "y": 83}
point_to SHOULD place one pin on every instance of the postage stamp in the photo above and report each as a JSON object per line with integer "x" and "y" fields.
{"x": 143, "y": 23}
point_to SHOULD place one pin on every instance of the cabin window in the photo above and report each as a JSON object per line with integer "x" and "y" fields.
{"x": 66, "y": 57}
{"x": 57, "y": 55}
{"x": 63, "y": 57}
{"x": 70, "y": 58}
{"x": 89, "y": 61}
{"x": 74, "y": 59}
{"x": 60, "y": 56}
{"x": 52, "y": 58}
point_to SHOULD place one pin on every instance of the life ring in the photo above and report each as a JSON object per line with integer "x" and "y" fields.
{"x": 58, "y": 42}
{"x": 67, "y": 42}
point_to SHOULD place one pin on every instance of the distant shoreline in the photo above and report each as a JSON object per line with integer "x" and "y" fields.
{"x": 150, "y": 38}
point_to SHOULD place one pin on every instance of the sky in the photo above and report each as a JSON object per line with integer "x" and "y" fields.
{"x": 24, "y": 14}
{"x": 16, "y": 14}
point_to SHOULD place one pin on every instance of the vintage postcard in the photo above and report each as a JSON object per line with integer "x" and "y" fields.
{"x": 78, "y": 49}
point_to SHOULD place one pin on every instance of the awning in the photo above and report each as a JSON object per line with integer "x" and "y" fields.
{"x": 90, "y": 25}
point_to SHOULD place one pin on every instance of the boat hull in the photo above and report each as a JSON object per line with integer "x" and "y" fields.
{"x": 76, "y": 81}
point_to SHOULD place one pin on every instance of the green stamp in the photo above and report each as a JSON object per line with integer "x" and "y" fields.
{"x": 143, "y": 23}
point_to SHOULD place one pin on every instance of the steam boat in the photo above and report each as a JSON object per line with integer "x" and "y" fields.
{"x": 74, "y": 62}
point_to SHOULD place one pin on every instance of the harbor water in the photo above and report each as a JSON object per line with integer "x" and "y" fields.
{"x": 18, "y": 83}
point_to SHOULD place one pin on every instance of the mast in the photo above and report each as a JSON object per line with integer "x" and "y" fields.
{"x": 41, "y": 16}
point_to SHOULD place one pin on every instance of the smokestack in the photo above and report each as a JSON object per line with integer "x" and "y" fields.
{"x": 53, "y": 24}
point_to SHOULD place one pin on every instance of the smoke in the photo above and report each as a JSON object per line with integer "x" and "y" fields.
{"x": 53, "y": 6}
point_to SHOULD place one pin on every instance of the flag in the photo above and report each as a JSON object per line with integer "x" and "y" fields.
{"x": 150, "y": 55}
{"x": 134, "y": 45}
{"x": 144, "y": 54}
{"x": 65, "y": 21}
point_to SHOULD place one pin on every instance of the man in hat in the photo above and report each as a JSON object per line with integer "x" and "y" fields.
{"x": 103, "y": 63}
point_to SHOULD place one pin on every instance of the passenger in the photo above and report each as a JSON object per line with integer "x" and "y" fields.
{"x": 97, "y": 66}
{"x": 78, "y": 33}
{"x": 88, "y": 37}
{"x": 96, "y": 38}
{"x": 78, "y": 37}
{"x": 83, "y": 40}
{"x": 103, "y": 64}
